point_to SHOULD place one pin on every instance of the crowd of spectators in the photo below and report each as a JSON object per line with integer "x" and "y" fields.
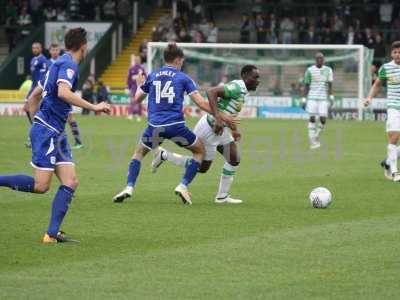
{"x": 373, "y": 24}
{"x": 21, "y": 16}
{"x": 190, "y": 25}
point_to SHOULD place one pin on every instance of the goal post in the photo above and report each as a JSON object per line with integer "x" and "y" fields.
{"x": 282, "y": 67}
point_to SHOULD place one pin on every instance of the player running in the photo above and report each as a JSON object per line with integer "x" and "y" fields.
{"x": 50, "y": 150}
{"x": 38, "y": 68}
{"x": 231, "y": 98}
{"x": 33, "y": 102}
{"x": 389, "y": 73}
{"x": 318, "y": 90}
{"x": 165, "y": 88}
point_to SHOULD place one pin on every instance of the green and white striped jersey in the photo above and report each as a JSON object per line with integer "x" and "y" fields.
{"x": 318, "y": 79}
{"x": 232, "y": 101}
{"x": 390, "y": 73}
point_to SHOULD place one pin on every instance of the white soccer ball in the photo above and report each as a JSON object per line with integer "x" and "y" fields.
{"x": 320, "y": 197}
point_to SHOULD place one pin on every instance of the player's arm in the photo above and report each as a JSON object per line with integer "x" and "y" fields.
{"x": 373, "y": 92}
{"x": 330, "y": 85}
{"x": 140, "y": 95}
{"x": 65, "y": 93}
{"x": 307, "y": 82}
{"x": 204, "y": 105}
{"x": 213, "y": 94}
{"x": 330, "y": 92}
{"x": 198, "y": 99}
{"x": 376, "y": 86}
{"x": 34, "y": 100}
{"x": 306, "y": 90}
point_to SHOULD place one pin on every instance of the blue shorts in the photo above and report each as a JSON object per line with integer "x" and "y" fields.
{"x": 179, "y": 134}
{"x": 49, "y": 148}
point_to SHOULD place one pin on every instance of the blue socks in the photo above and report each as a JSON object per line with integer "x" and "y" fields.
{"x": 59, "y": 209}
{"x": 191, "y": 170}
{"x": 133, "y": 172}
{"x": 75, "y": 132}
{"x": 21, "y": 183}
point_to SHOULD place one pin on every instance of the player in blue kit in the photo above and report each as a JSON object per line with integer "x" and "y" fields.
{"x": 38, "y": 69}
{"x": 165, "y": 88}
{"x": 50, "y": 150}
{"x": 35, "y": 98}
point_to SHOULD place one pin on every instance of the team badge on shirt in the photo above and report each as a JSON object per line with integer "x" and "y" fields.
{"x": 70, "y": 73}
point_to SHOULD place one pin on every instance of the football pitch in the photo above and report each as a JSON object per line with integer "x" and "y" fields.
{"x": 273, "y": 246}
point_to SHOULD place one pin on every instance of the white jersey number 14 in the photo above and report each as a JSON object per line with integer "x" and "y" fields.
{"x": 166, "y": 92}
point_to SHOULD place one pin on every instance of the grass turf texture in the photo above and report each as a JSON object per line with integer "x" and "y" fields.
{"x": 272, "y": 246}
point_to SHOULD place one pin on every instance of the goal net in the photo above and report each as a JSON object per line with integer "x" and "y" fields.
{"x": 282, "y": 68}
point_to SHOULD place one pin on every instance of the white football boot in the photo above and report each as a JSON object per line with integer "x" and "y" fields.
{"x": 315, "y": 145}
{"x": 227, "y": 199}
{"x": 183, "y": 193}
{"x": 386, "y": 170}
{"x": 396, "y": 177}
{"x": 126, "y": 193}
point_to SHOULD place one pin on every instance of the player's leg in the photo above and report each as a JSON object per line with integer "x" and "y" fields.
{"x": 28, "y": 115}
{"x": 145, "y": 146}
{"x": 393, "y": 131}
{"x": 312, "y": 109}
{"x": 65, "y": 171}
{"x": 323, "y": 107}
{"x": 139, "y": 112}
{"x": 191, "y": 169}
{"x": 42, "y": 151}
{"x": 38, "y": 184}
{"x": 75, "y": 131}
{"x": 184, "y": 137}
{"x": 204, "y": 132}
{"x": 68, "y": 184}
{"x": 162, "y": 155}
{"x": 392, "y": 149}
{"x": 232, "y": 160}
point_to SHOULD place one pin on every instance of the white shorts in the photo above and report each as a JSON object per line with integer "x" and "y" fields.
{"x": 210, "y": 140}
{"x": 393, "y": 120}
{"x": 319, "y": 107}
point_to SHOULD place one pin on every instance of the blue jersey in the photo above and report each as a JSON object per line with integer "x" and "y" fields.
{"x": 166, "y": 88}
{"x": 54, "y": 111}
{"x": 50, "y": 62}
{"x": 38, "y": 70}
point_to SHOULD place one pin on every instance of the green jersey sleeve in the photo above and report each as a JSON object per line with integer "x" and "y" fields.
{"x": 382, "y": 73}
{"x": 307, "y": 77}
{"x": 232, "y": 90}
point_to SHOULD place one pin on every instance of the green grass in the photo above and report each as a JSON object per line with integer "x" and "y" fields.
{"x": 274, "y": 246}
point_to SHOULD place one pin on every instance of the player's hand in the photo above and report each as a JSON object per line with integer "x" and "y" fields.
{"x": 303, "y": 103}
{"x": 102, "y": 107}
{"x": 236, "y": 136}
{"x": 367, "y": 102}
{"x": 218, "y": 126}
{"x": 231, "y": 121}
{"x": 140, "y": 78}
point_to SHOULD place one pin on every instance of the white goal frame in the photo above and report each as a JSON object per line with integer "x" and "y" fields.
{"x": 359, "y": 48}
